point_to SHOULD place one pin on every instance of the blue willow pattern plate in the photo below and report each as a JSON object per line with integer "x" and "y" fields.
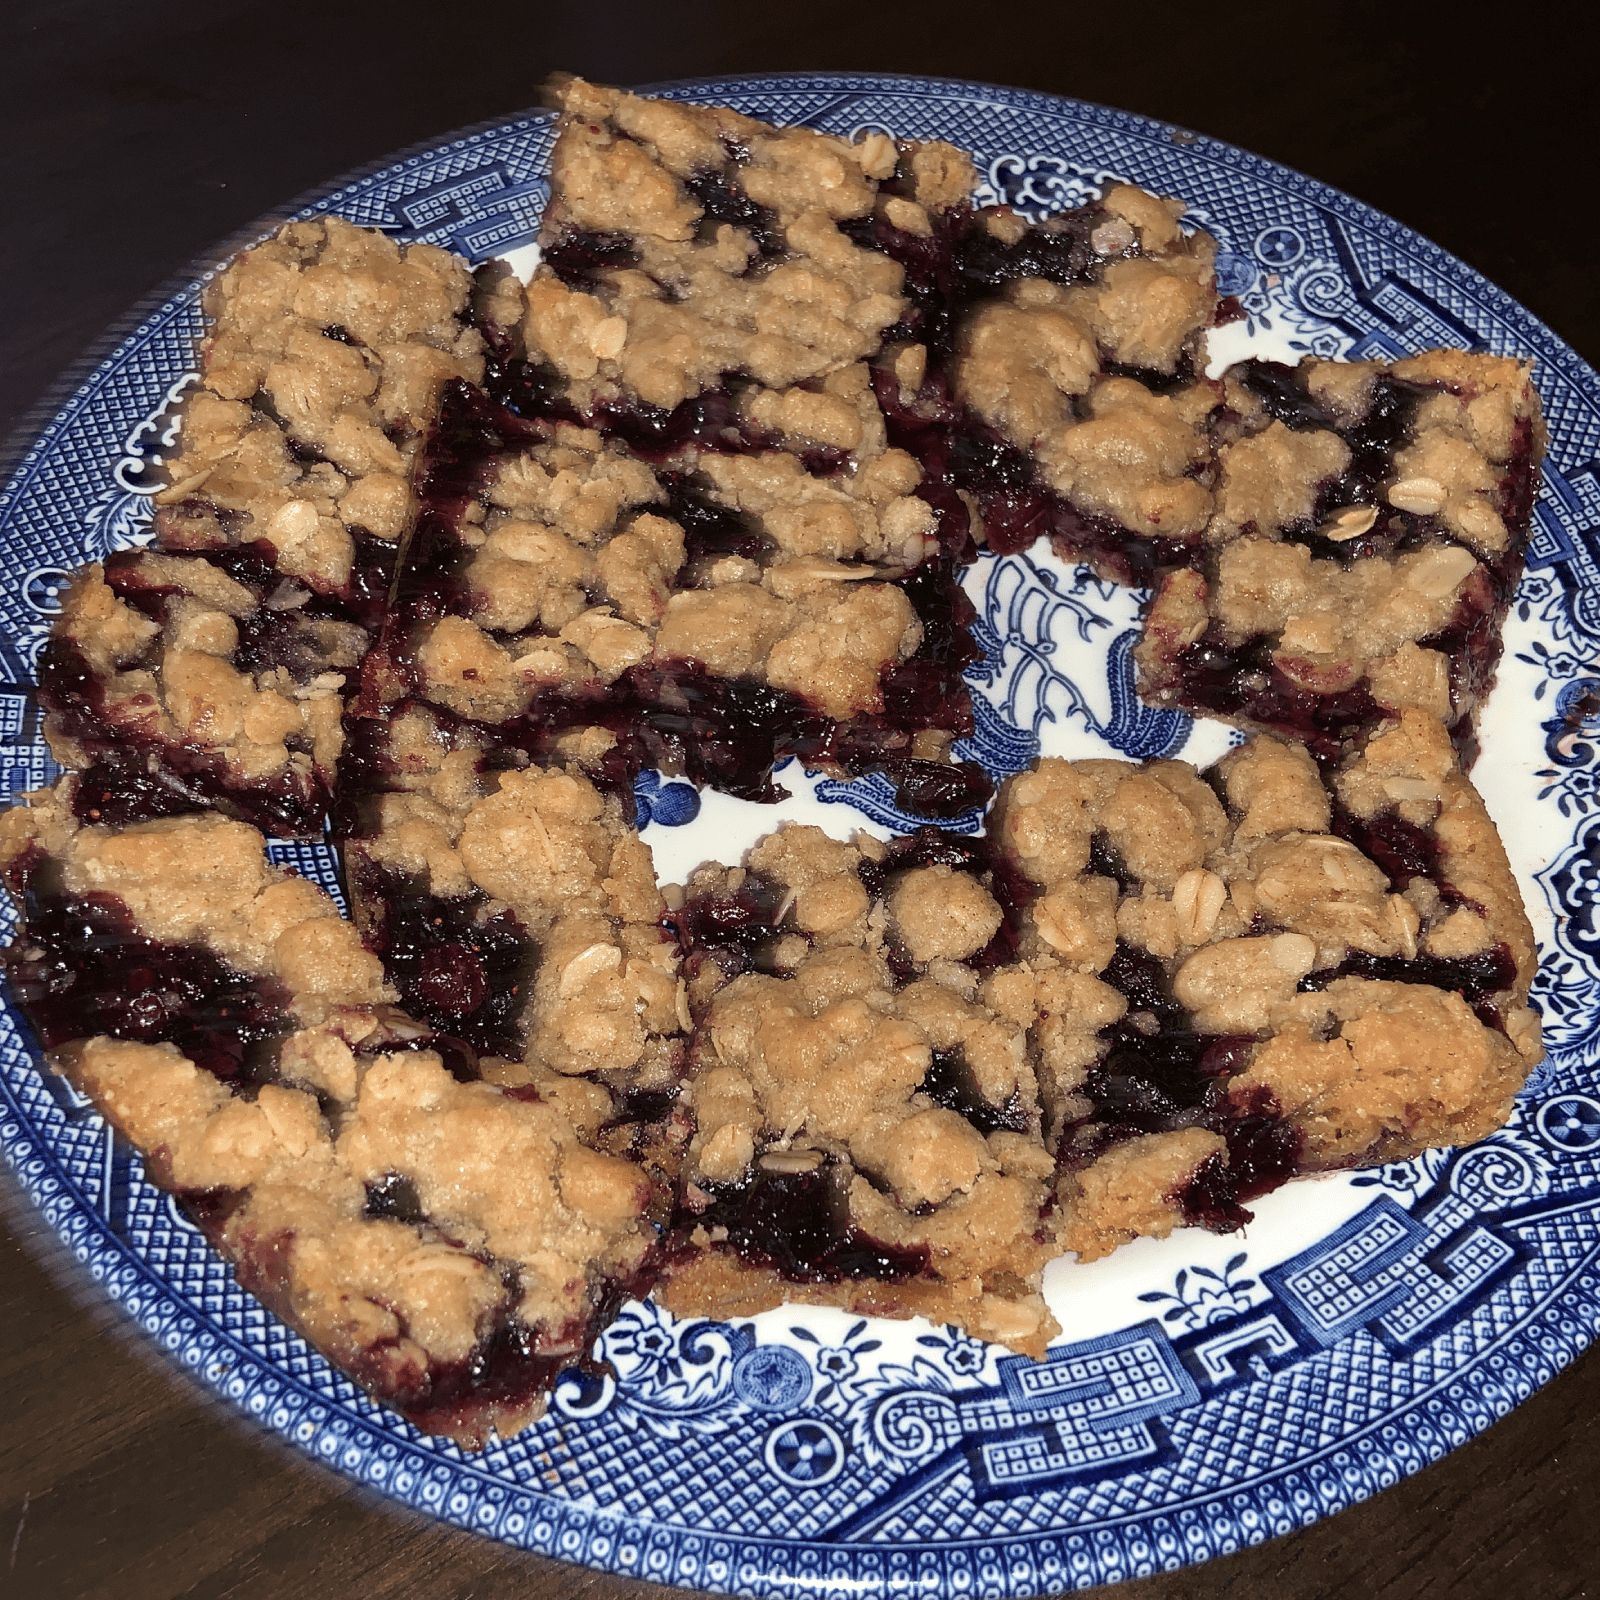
{"x": 1207, "y": 1392}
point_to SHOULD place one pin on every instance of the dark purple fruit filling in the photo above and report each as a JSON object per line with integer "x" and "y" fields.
{"x": 1106, "y": 861}
{"x": 1159, "y": 1076}
{"x": 471, "y": 436}
{"x": 710, "y": 531}
{"x": 135, "y": 777}
{"x": 581, "y": 259}
{"x": 1404, "y": 850}
{"x": 950, "y": 1083}
{"x": 649, "y": 1106}
{"x": 79, "y": 969}
{"x": 737, "y": 931}
{"x": 1386, "y": 427}
{"x": 1243, "y": 681}
{"x": 1263, "y": 1153}
{"x": 465, "y": 973}
{"x": 303, "y": 646}
{"x": 960, "y": 263}
{"x": 393, "y": 1198}
{"x": 960, "y": 455}
{"x": 710, "y": 420}
{"x": 1142, "y": 981}
{"x": 798, "y": 1225}
{"x": 947, "y": 275}
{"x": 1475, "y": 978}
{"x": 937, "y": 788}
{"x": 723, "y": 201}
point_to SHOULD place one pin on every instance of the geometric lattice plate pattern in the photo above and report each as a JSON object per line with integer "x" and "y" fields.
{"x": 1207, "y": 1392}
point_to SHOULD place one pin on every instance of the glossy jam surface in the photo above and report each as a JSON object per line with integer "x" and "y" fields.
{"x": 1159, "y": 1076}
{"x": 797, "y": 1224}
{"x": 464, "y": 969}
{"x": 83, "y": 971}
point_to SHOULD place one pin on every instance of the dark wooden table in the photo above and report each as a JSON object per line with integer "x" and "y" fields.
{"x": 134, "y": 136}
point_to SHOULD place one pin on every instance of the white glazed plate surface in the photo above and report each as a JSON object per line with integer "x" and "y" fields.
{"x": 1207, "y": 1392}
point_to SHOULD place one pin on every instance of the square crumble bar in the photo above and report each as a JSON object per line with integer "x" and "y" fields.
{"x": 1143, "y": 997}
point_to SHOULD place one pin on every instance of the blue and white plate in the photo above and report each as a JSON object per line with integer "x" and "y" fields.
{"x": 1207, "y": 1392}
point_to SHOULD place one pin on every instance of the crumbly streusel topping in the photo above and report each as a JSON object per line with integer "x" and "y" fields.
{"x": 685, "y": 242}
{"x": 1368, "y": 532}
{"x": 1262, "y": 920}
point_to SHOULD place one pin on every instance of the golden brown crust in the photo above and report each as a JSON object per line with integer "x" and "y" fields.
{"x": 1240, "y": 908}
{"x": 1348, "y": 578}
{"x": 958, "y": 1106}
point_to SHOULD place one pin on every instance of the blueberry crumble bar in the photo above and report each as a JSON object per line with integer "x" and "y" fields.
{"x": 1277, "y": 970}
{"x": 558, "y": 591}
{"x": 868, "y": 1124}
{"x": 1369, "y": 529}
{"x": 447, "y": 560}
{"x": 446, "y": 1230}
{"x": 206, "y": 671}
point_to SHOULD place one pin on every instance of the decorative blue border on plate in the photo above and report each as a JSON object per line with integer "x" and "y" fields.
{"x": 809, "y": 1453}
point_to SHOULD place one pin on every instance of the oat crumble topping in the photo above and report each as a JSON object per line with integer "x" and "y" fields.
{"x": 446, "y": 560}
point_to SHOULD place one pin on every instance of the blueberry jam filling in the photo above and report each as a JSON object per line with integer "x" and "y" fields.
{"x": 737, "y": 931}
{"x": 134, "y": 776}
{"x": 1263, "y": 1153}
{"x": 936, "y": 788}
{"x": 1475, "y": 978}
{"x": 710, "y": 532}
{"x": 1244, "y": 681}
{"x": 466, "y": 973}
{"x": 710, "y": 420}
{"x": 950, "y": 1083}
{"x": 394, "y": 1198}
{"x": 1159, "y": 1076}
{"x": 797, "y": 1224}
{"x": 507, "y": 1371}
{"x": 82, "y": 970}
{"x": 581, "y": 259}
{"x": 960, "y": 262}
{"x": 723, "y": 201}
{"x": 1404, "y": 850}
{"x": 962, "y": 456}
